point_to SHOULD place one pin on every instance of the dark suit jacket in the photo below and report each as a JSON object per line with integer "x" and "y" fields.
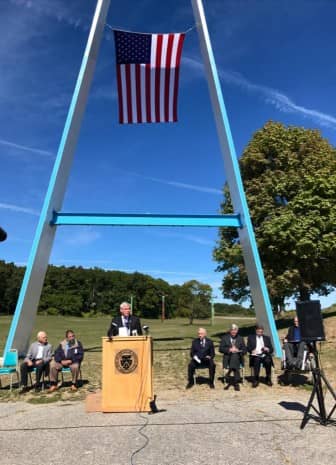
{"x": 225, "y": 346}
{"x": 252, "y": 343}
{"x": 134, "y": 323}
{"x": 200, "y": 351}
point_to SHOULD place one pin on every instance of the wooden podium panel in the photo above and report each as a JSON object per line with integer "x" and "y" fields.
{"x": 127, "y": 384}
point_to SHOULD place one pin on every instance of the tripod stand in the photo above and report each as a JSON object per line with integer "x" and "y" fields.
{"x": 318, "y": 378}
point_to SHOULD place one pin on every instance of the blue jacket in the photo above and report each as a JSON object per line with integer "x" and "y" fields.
{"x": 75, "y": 353}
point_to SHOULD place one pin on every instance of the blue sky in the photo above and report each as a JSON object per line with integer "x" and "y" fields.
{"x": 275, "y": 62}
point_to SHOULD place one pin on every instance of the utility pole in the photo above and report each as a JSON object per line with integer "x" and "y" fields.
{"x": 163, "y": 309}
{"x": 213, "y": 309}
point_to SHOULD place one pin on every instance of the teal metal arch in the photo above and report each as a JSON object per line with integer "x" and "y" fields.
{"x": 52, "y": 217}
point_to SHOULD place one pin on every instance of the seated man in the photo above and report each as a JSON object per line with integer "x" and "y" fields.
{"x": 294, "y": 347}
{"x": 131, "y": 323}
{"x": 260, "y": 348}
{"x": 69, "y": 354}
{"x": 233, "y": 347}
{"x": 38, "y": 356}
{"x": 202, "y": 354}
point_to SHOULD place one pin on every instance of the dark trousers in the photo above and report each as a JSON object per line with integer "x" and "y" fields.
{"x": 256, "y": 362}
{"x": 233, "y": 365}
{"x": 205, "y": 363}
{"x": 40, "y": 368}
{"x": 294, "y": 353}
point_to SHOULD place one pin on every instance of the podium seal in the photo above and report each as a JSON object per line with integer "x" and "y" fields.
{"x": 126, "y": 361}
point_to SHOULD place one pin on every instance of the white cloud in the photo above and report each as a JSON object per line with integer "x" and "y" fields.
{"x": 182, "y": 185}
{"x": 84, "y": 237}
{"x": 17, "y": 208}
{"x": 187, "y": 237}
{"x": 269, "y": 95}
{"x": 57, "y": 9}
{"x": 25, "y": 148}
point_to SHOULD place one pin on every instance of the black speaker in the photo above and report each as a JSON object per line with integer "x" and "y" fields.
{"x": 310, "y": 320}
{"x": 3, "y": 235}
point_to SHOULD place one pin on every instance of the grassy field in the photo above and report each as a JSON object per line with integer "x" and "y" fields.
{"x": 172, "y": 340}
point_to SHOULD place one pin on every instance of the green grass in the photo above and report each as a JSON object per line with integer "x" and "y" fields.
{"x": 172, "y": 341}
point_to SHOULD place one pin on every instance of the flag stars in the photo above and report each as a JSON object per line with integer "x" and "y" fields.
{"x": 132, "y": 48}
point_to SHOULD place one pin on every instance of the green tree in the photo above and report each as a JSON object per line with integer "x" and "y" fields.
{"x": 196, "y": 299}
{"x": 289, "y": 176}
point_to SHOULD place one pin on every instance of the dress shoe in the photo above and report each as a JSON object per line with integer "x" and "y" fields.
{"x": 255, "y": 384}
{"x": 37, "y": 389}
{"x": 212, "y": 386}
{"x": 227, "y": 387}
{"x": 269, "y": 382}
{"x": 236, "y": 387}
{"x": 52, "y": 388}
{"x": 74, "y": 387}
{"x": 24, "y": 390}
{"x": 189, "y": 385}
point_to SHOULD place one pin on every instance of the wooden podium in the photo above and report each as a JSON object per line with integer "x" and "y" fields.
{"x": 127, "y": 384}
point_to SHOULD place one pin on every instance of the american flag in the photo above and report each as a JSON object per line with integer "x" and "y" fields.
{"x": 147, "y": 76}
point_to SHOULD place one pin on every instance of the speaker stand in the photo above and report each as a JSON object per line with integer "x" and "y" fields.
{"x": 321, "y": 415}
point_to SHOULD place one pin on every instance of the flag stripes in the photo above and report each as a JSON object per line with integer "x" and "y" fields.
{"x": 147, "y": 92}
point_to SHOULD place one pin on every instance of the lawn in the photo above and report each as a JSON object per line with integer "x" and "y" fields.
{"x": 172, "y": 341}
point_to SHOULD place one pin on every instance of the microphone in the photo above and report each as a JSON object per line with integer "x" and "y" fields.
{"x": 115, "y": 326}
{"x": 3, "y": 234}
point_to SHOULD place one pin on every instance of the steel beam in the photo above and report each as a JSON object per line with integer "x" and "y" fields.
{"x": 253, "y": 266}
{"x": 63, "y": 219}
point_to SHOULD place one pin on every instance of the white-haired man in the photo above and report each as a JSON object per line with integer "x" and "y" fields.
{"x": 233, "y": 347}
{"x": 125, "y": 320}
{"x": 202, "y": 354}
{"x": 38, "y": 356}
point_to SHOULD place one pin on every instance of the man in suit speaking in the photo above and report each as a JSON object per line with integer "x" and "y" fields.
{"x": 130, "y": 323}
{"x": 202, "y": 354}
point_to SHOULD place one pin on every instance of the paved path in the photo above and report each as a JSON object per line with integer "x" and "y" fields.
{"x": 199, "y": 427}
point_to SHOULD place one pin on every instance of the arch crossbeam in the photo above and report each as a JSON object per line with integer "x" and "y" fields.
{"x": 105, "y": 219}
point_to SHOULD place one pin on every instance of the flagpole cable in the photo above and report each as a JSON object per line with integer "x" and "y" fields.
{"x": 191, "y": 28}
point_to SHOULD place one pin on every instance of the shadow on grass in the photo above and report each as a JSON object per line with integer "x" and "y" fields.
{"x": 293, "y": 379}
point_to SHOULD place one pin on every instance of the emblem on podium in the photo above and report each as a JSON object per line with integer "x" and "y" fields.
{"x": 126, "y": 361}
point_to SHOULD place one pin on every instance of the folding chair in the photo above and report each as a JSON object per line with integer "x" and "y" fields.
{"x": 10, "y": 366}
{"x": 306, "y": 366}
{"x": 44, "y": 376}
{"x": 67, "y": 370}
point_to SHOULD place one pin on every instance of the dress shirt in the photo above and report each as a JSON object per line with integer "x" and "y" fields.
{"x": 259, "y": 345}
{"x": 39, "y": 355}
{"x": 125, "y": 322}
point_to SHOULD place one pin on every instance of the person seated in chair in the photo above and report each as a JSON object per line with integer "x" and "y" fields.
{"x": 233, "y": 347}
{"x": 38, "y": 356}
{"x": 69, "y": 354}
{"x": 294, "y": 347}
{"x": 131, "y": 323}
{"x": 260, "y": 348}
{"x": 202, "y": 354}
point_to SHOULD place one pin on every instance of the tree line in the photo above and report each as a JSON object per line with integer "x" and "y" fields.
{"x": 77, "y": 291}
